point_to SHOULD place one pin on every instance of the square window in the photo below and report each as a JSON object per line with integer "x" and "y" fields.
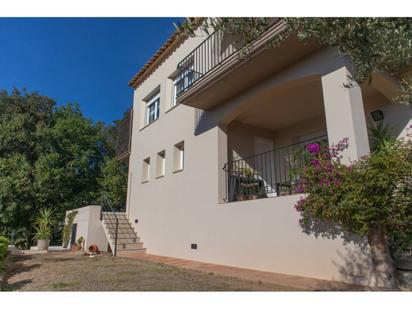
{"x": 146, "y": 170}
{"x": 161, "y": 164}
{"x": 179, "y": 156}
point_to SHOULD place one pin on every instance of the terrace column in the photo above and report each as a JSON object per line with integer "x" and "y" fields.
{"x": 222, "y": 160}
{"x": 345, "y": 116}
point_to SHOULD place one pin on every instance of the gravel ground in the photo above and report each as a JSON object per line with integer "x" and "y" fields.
{"x": 68, "y": 272}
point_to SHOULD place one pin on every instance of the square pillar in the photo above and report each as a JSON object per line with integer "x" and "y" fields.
{"x": 345, "y": 116}
{"x": 222, "y": 160}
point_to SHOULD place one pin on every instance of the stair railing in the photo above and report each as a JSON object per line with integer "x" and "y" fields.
{"x": 108, "y": 207}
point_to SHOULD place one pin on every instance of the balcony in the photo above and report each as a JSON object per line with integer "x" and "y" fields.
{"x": 217, "y": 70}
{"x": 268, "y": 174}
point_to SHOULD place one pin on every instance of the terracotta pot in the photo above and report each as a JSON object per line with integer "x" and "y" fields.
{"x": 94, "y": 248}
{"x": 242, "y": 197}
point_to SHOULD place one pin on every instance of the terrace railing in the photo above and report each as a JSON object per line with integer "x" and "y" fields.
{"x": 268, "y": 174}
{"x": 123, "y": 145}
{"x": 212, "y": 52}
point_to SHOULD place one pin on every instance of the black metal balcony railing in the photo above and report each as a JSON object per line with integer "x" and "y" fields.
{"x": 124, "y": 135}
{"x": 267, "y": 174}
{"x": 213, "y": 51}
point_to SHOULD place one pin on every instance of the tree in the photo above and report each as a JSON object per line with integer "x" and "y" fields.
{"x": 50, "y": 157}
{"x": 113, "y": 181}
{"x": 373, "y": 44}
{"x": 371, "y": 198}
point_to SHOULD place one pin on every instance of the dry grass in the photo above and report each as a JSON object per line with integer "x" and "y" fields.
{"x": 68, "y": 272}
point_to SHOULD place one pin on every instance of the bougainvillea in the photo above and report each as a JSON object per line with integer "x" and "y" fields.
{"x": 371, "y": 197}
{"x": 373, "y": 191}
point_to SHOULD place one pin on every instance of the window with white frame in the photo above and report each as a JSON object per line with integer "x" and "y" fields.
{"x": 153, "y": 109}
{"x": 179, "y": 156}
{"x": 146, "y": 170}
{"x": 161, "y": 164}
{"x": 182, "y": 81}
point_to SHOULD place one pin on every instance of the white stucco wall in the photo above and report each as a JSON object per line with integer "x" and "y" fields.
{"x": 90, "y": 227}
{"x": 186, "y": 207}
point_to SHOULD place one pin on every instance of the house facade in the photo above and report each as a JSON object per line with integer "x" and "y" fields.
{"x": 216, "y": 142}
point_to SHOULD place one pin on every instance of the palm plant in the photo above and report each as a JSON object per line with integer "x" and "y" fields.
{"x": 44, "y": 223}
{"x": 380, "y": 137}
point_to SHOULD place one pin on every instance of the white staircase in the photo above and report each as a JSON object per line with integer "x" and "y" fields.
{"x": 127, "y": 241}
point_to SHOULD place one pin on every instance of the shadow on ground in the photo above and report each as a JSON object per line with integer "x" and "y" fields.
{"x": 16, "y": 265}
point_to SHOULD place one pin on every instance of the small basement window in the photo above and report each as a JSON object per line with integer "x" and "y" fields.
{"x": 179, "y": 156}
{"x": 146, "y": 170}
{"x": 161, "y": 164}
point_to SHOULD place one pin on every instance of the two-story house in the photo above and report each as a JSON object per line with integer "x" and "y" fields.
{"x": 215, "y": 145}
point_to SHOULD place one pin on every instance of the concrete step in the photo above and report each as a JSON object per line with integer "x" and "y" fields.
{"x": 120, "y": 226}
{"x": 120, "y": 221}
{"x": 127, "y": 241}
{"x": 134, "y": 246}
{"x": 130, "y": 253}
{"x": 113, "y": 216}
{"x": 120, "y": 231}
{"x": 125, "y": 236}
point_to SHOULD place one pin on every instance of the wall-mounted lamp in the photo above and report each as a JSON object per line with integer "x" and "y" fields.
{"x": 377, "y": 115}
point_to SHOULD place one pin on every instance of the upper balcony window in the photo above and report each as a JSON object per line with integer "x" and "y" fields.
{"x": 153, "y": 109}
{"x": 183, "y": 81}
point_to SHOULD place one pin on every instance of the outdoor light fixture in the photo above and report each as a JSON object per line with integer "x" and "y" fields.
{"x": 377, "y": 115}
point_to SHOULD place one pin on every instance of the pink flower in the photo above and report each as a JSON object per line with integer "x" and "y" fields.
{"x": 313, "y": 148}
{"x": 299, "y": 204}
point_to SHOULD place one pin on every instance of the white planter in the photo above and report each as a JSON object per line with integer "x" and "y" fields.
{"x": 43, "y": 244}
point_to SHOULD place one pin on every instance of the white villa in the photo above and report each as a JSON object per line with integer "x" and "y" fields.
{"x": 213, "y": 144}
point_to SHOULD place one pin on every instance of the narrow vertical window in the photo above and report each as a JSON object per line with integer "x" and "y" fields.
{"x": 153, "y": 109}
{"x": 179, "y": 156}
{"x": 146, "y": 170}
{"x": 183, "y": 81}
{"x": 161, "y": 164}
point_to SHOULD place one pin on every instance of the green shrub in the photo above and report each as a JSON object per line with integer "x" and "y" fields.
{"x": 68, "y": 227}
{"x": 80, "y": 242}
{"x": 44, "y": 224}
{"x": 4, "y": 243}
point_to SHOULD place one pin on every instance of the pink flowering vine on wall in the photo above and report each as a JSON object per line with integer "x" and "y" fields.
{"x": 321, "y": 171}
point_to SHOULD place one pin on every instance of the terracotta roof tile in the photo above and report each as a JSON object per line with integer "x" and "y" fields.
{"x": 172, "y": 39}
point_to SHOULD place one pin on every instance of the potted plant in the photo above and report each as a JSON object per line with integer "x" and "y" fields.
{"x": 78, "y": 245}
{"x": 43, "y": 227}
{"x": 248, "y": 183}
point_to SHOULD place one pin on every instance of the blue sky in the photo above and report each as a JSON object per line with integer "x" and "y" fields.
{"x": 83, "y": 60}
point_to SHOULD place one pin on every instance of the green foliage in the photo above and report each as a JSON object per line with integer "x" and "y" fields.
{"x": 4, "y": 244}
{"x": 68, "y": 227}
{"x": 113, "y": 181}
{"x": 80, "y": 241}
{"x": 373, "y": 44}
{"x": 44, "y": 224}
{"x": 50, "y": 157}
{"x": 373, "y": 193}
{"x": 380, "y": 136}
